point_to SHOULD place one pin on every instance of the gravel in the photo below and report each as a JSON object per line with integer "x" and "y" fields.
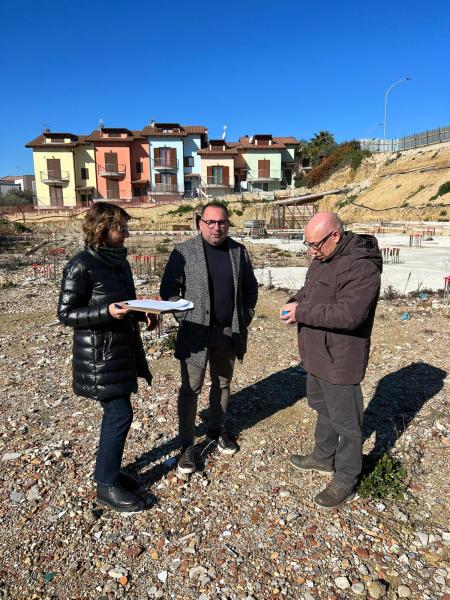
{"x": 241, "y": 527}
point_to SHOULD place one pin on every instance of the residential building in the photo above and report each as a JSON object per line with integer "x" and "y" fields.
{"x": 121, "y": 159}
{"x": 268, "y": 161}
{"x": 218, "y": 167}
{"x": 174, "y": 160}
{"x": 64, "y": 169}
{"x": 24, "y": 182}
{"x": 8, "y": 186}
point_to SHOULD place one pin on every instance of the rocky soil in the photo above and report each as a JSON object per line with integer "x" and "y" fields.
{"x": 242, "y": 527}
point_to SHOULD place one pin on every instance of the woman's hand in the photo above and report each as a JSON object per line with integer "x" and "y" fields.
{"x": 117, "y": 311}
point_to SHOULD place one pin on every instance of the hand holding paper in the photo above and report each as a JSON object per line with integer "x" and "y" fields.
{"x": 158, "y": 306}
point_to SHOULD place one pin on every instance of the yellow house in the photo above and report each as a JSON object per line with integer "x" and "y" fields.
{"x": 64, "y": 167}
{"x": 217, "y": 167}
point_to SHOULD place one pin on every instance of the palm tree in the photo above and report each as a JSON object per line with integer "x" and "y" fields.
{"x": 320, "y": 145}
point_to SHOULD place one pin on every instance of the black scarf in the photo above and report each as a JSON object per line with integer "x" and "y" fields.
{"x": 115, "y": 256}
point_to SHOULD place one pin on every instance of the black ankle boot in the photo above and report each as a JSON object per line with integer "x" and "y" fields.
{"x": 131, "y": 484}
{"x": 118, "y": 498}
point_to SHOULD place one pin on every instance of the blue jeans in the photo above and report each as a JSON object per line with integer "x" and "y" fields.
{"x": 117, "y": 419}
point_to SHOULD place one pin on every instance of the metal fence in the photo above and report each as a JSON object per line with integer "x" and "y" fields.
{"x": 416, "y": 140}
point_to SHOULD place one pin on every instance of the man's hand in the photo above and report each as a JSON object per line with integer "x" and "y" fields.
{"x": 117, "y": 311}
{"x": 152, "y": 321}
{"x": 287, "y": 313}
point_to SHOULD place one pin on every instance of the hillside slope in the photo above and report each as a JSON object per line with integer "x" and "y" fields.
{"x": 393, "y": 186}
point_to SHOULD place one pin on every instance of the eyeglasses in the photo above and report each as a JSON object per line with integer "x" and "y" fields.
{"x": 318, "y": 245}
{"x": 223, "y": 223}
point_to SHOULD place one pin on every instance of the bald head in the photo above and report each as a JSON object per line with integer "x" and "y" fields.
{"x": 322, "y": 223}
{"x": 322, "y": 234}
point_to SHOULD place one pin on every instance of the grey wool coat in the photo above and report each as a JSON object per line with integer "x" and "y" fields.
{"x": 186, "y": 276}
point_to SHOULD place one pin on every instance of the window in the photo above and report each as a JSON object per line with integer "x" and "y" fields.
{"x": 111, "y": 164}
{"x": 112, "y": 189}
{"x": 264, "y": 169}
{"x": 56, "y": 196}
{"x": 53, "y": 168}
{"x": 84, "y": 173}
{"x": 188, "y": 161}
{"x": 217, "y": 175}
{"x": 139, "y": 167}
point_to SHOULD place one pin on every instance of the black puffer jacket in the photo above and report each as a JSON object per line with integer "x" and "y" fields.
{"x": 108, "y": 355}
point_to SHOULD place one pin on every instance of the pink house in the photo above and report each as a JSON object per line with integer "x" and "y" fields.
{"x": 122, "y": 163}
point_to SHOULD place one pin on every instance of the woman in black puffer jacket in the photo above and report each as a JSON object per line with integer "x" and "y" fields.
{"x": 108, "y": 355}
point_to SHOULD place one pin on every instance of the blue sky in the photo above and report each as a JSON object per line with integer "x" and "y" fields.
{"x": 283, "y": 67}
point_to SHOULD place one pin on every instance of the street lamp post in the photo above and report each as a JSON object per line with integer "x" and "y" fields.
{"x": 385, "y": 104}
{"x": 373, "y": 127}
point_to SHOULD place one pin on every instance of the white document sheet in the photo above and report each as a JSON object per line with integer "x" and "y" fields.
{"x": 159, "y": 305}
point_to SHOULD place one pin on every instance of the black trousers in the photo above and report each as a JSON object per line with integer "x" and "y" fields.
{"x": 116, "y": 422}
{"x": 338, "y": 436}
{"x": 221, "y": 358}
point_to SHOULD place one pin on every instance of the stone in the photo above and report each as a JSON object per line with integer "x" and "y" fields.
{"x": 197, "y": 571}
{"x": 376, "y": 589}
{"x": 162, "y": 576}
{"x": 11, "y": 456}
{"x": 404, "y": 591}
{"x": 358, "y": 588}
{"x": 342, "y": 583}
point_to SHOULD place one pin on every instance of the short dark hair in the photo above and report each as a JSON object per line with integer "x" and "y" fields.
{"x": 99, "y": 220}
{"x": 221, "y": 205}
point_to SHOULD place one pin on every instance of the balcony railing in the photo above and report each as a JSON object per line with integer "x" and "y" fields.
{"x": 264, "y": 175}
{"x": 166, "y": 188}
{"x": 55, "y": 177}
{"x": 165, "y": 163}
{"x": 112, "y": 171}
{"x": 217, "y": 181}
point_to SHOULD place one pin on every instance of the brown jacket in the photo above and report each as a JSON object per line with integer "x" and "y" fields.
{"x": 336, "y": 310}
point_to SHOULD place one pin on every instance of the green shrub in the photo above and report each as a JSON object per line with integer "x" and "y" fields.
{"x": 348, "y": 153}
{"x": 419, "y": 189}
{"x": 161, "y": 248}
{"x": 442, "y": 213}
{"x": 443, "y": 189}
{"x": 8, "y": 284}
{"x": 181, "y": 210}
{"x": 382, "y": 478}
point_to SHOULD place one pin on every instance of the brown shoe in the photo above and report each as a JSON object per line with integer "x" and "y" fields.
{"x": 308, "y": 463}
{"x": 334, "y": 495}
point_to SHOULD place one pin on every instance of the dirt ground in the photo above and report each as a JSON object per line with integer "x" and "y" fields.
{"x": 242, "y": 527}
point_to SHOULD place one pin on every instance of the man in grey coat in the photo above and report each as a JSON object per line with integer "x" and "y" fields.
{"x": 335, "y": 311}
{"x": 215, "y": 273}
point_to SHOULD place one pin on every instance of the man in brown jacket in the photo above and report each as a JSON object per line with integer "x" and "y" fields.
{"x": 335, "y": 311}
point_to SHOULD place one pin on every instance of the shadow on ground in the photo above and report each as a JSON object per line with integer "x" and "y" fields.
{"x": 398, "y": 398}
{"x": 247, "y": 407}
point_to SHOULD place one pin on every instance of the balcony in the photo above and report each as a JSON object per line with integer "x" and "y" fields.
{"x": 217, "y": 182}
{"x": 165, "y": 163}
{"x": 264, "y": 175}
{"x": 166, "y": 188}
{"x": 55, "y": 177}
{"x": 112, "y": 171}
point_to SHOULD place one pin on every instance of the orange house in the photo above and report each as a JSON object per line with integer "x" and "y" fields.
{"x": 121, "y": 158}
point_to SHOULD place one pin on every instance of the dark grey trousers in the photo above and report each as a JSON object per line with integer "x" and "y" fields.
{"x": 221, "y": 358}
{"x": 338, "y": 436}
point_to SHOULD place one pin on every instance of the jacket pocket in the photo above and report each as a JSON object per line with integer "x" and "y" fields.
{"x": 107, "y": 345}
{"x": 329, "y": 346}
